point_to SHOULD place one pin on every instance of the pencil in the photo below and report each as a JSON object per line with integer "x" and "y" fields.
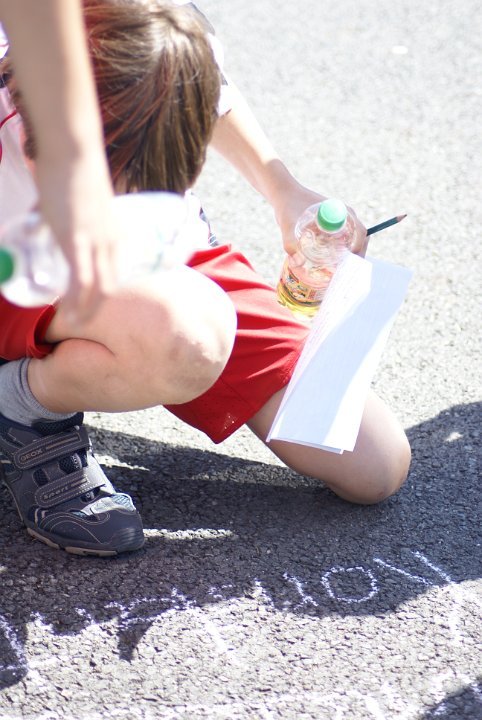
{"x": 385, "y": 224}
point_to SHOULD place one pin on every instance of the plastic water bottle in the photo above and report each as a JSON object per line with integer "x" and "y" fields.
{"x": 324, "y": 233}
{"x": 160, "y": 231}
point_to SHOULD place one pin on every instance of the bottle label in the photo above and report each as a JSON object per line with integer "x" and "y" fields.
{"x": 298, "y": 290}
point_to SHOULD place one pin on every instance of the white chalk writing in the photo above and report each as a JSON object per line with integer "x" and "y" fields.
{"x": 348, "y": 585}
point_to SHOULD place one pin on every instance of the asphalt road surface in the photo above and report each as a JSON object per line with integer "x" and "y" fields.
{"x": 259, "y": 594}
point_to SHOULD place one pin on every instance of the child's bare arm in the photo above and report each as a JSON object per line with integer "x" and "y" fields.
{"x": 242, "y": 142}
{"x": 51, "y": 63}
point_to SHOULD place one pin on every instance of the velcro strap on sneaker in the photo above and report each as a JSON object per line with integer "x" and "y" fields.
{"x": 51, "y": 447}
{"x": 67, "y": 488}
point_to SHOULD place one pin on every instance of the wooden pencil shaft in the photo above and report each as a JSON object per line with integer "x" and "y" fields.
{"x": 385, "y": 224}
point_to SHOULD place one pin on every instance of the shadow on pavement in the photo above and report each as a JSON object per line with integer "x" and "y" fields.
{"x": 465, "y": 703}
{"x": 220, "y": 528}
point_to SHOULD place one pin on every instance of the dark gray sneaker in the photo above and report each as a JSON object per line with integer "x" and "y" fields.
{"x": 61, "y": 492}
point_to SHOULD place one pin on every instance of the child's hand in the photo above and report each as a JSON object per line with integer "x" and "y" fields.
{"x": 292, "y": 202}
{"x": 76, "y": 201}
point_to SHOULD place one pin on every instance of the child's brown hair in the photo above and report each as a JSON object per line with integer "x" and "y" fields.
{"x": 158, "y": 86}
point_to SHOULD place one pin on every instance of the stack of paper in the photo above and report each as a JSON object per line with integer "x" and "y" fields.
{"x": 323, "y": 404}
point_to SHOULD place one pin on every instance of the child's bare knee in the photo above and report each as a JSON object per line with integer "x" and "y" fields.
{"x": 194, "y": 357}
{"x": 373, "y": 481}
{"x": 401, "y": 463}
{"x": 390, "y": 475}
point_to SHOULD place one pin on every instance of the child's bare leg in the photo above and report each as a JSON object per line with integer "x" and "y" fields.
{"x": 166, "y": 342}
{"x": 376, "y": 468}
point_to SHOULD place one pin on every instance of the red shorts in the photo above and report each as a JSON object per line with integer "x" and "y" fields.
{"x": 22, "y": 330}
{"x": 267, "y": 345}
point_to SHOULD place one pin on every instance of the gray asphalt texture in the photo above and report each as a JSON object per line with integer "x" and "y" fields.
{"x": 260, "y": 594}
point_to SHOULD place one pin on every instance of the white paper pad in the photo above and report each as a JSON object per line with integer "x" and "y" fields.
{"x": 323, "y": 404}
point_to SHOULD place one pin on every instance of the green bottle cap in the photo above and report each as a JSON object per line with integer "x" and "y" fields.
{"x": 7, "y": 265}
{"x": 332, "y": 214}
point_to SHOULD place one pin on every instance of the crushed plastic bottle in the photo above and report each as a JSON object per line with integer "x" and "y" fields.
{"x": 159, "y": 229}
